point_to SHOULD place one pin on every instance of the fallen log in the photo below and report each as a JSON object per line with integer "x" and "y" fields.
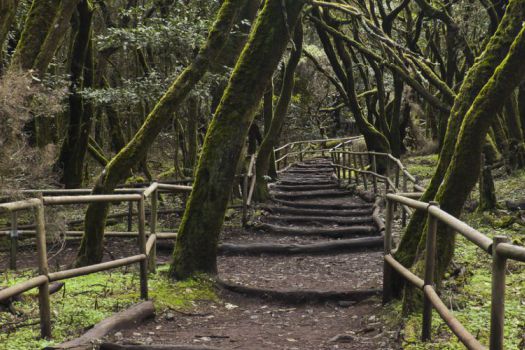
{"x": 121, "y": 320}
{"x": 333, "y": 232}
{"x": 112, "y": 346}
{"x": 340, "y": 246}
{"x": 299, "y": 296}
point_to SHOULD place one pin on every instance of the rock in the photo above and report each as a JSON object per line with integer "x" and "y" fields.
{"x": 346, "y": 303}
{"x": 119, "y": 336}
{"x": 169, "y": 316}
{"x": 342, "y": 338}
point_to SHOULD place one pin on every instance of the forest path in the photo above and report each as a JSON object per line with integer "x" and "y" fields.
{"x": 307, "y": 277}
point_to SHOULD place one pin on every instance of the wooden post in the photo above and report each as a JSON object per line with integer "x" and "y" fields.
{"x": 301, "y": 152}
{"x": 338, "y": 156}
{"x": 343, "y": 160}
{"x": 354, "y": 158}
{"x": 497, "y": 309}
{"x": 152, "y": 261}
{"x": 130, "y": 216}
{"x": 404, "y": 214}
{"x": 430, "y": 263}
{"x": 245, "y": 198}
{"x": 275, "y": 155}
{"x": 43, "y": 290}
{"x": 13, "y": 240}
{"x": 365, "y": 178}
{"x": 374, "y": 165}
{"x": 387, "y": 269}
{"x": 142, "y": 249}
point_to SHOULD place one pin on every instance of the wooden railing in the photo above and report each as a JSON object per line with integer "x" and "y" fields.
{"x": 395, "y": 194}
{"x": 146, "y": 256}
{"x": 297, "y": 151}
{"x": 249, "y": 180}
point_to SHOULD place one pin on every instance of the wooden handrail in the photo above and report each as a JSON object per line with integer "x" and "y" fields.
{"x": 147, "y": 247}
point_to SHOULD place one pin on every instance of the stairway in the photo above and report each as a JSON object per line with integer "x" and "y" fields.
{"x": 317, "y": 242}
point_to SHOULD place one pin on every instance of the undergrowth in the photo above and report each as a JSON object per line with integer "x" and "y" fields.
{"x": 85, "y": 301}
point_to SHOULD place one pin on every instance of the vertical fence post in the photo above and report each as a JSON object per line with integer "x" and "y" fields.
{"x": 339, "y": 169}
{"x": 430, "y": 263}
{"x": 275, "y": 157}
{"x": 130, "y": 216}
{"x": 142, "y": 248}
{"x": 152, "y": 262}
{"x": 374, "y": 167}
{"x": 387, "y": 269}
{"x": 245, "y": 198}
{"x": 13, "y": 240}
{"x": 404, "y": 214}
{"x": 497, "y": 312}
{"x": 43, "y": 290}
{"x": 356, "y": 174}
{"x": 343, "y": 154}
{"x": 301, "y": 152}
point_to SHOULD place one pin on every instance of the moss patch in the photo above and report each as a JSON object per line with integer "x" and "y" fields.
{"x": 87, "y": 300}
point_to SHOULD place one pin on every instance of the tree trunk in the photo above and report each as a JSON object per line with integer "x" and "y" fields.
{"x": 56, "y": 34}
{"x": 458, "y": 181}
{"x": 196, "y": 247}
{"x": 74, "y": 147}
{"x": 487, "y": 192}
{"x": 273, "y": 134}
{"x": 268, "y": 116}
{"x": 7, "y": 17}
{"x": 117, "y": 170}
{"x": 38, "y": 24}
{"x": 477, "y": 76}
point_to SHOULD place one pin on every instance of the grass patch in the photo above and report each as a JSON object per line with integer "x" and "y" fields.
{"x": 89, "y": 299}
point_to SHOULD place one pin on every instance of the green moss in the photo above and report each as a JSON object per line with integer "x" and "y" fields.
{"x": 87, "y": 300}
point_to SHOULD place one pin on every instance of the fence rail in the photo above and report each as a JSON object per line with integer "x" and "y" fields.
{"x": 362, "y": 168}
{"x": 146, "y": 242}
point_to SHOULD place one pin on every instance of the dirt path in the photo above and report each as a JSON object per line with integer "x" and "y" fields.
{"x": 308, "y": 276}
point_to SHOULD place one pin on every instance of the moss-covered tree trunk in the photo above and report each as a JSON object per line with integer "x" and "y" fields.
{"x": 74, "y": 147}
{"x": 515, "y": 133}
{"x": 38, "y": 25}
{"x": 271, "y": 138}
{"x": 119, "y": 167}
{"x": 58, "y": 30}
{"x": 458, "y": 181}
{"x": 477, "y": 76}
{"x": 7, "y": 17}
{"x": 196, "y": 247}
